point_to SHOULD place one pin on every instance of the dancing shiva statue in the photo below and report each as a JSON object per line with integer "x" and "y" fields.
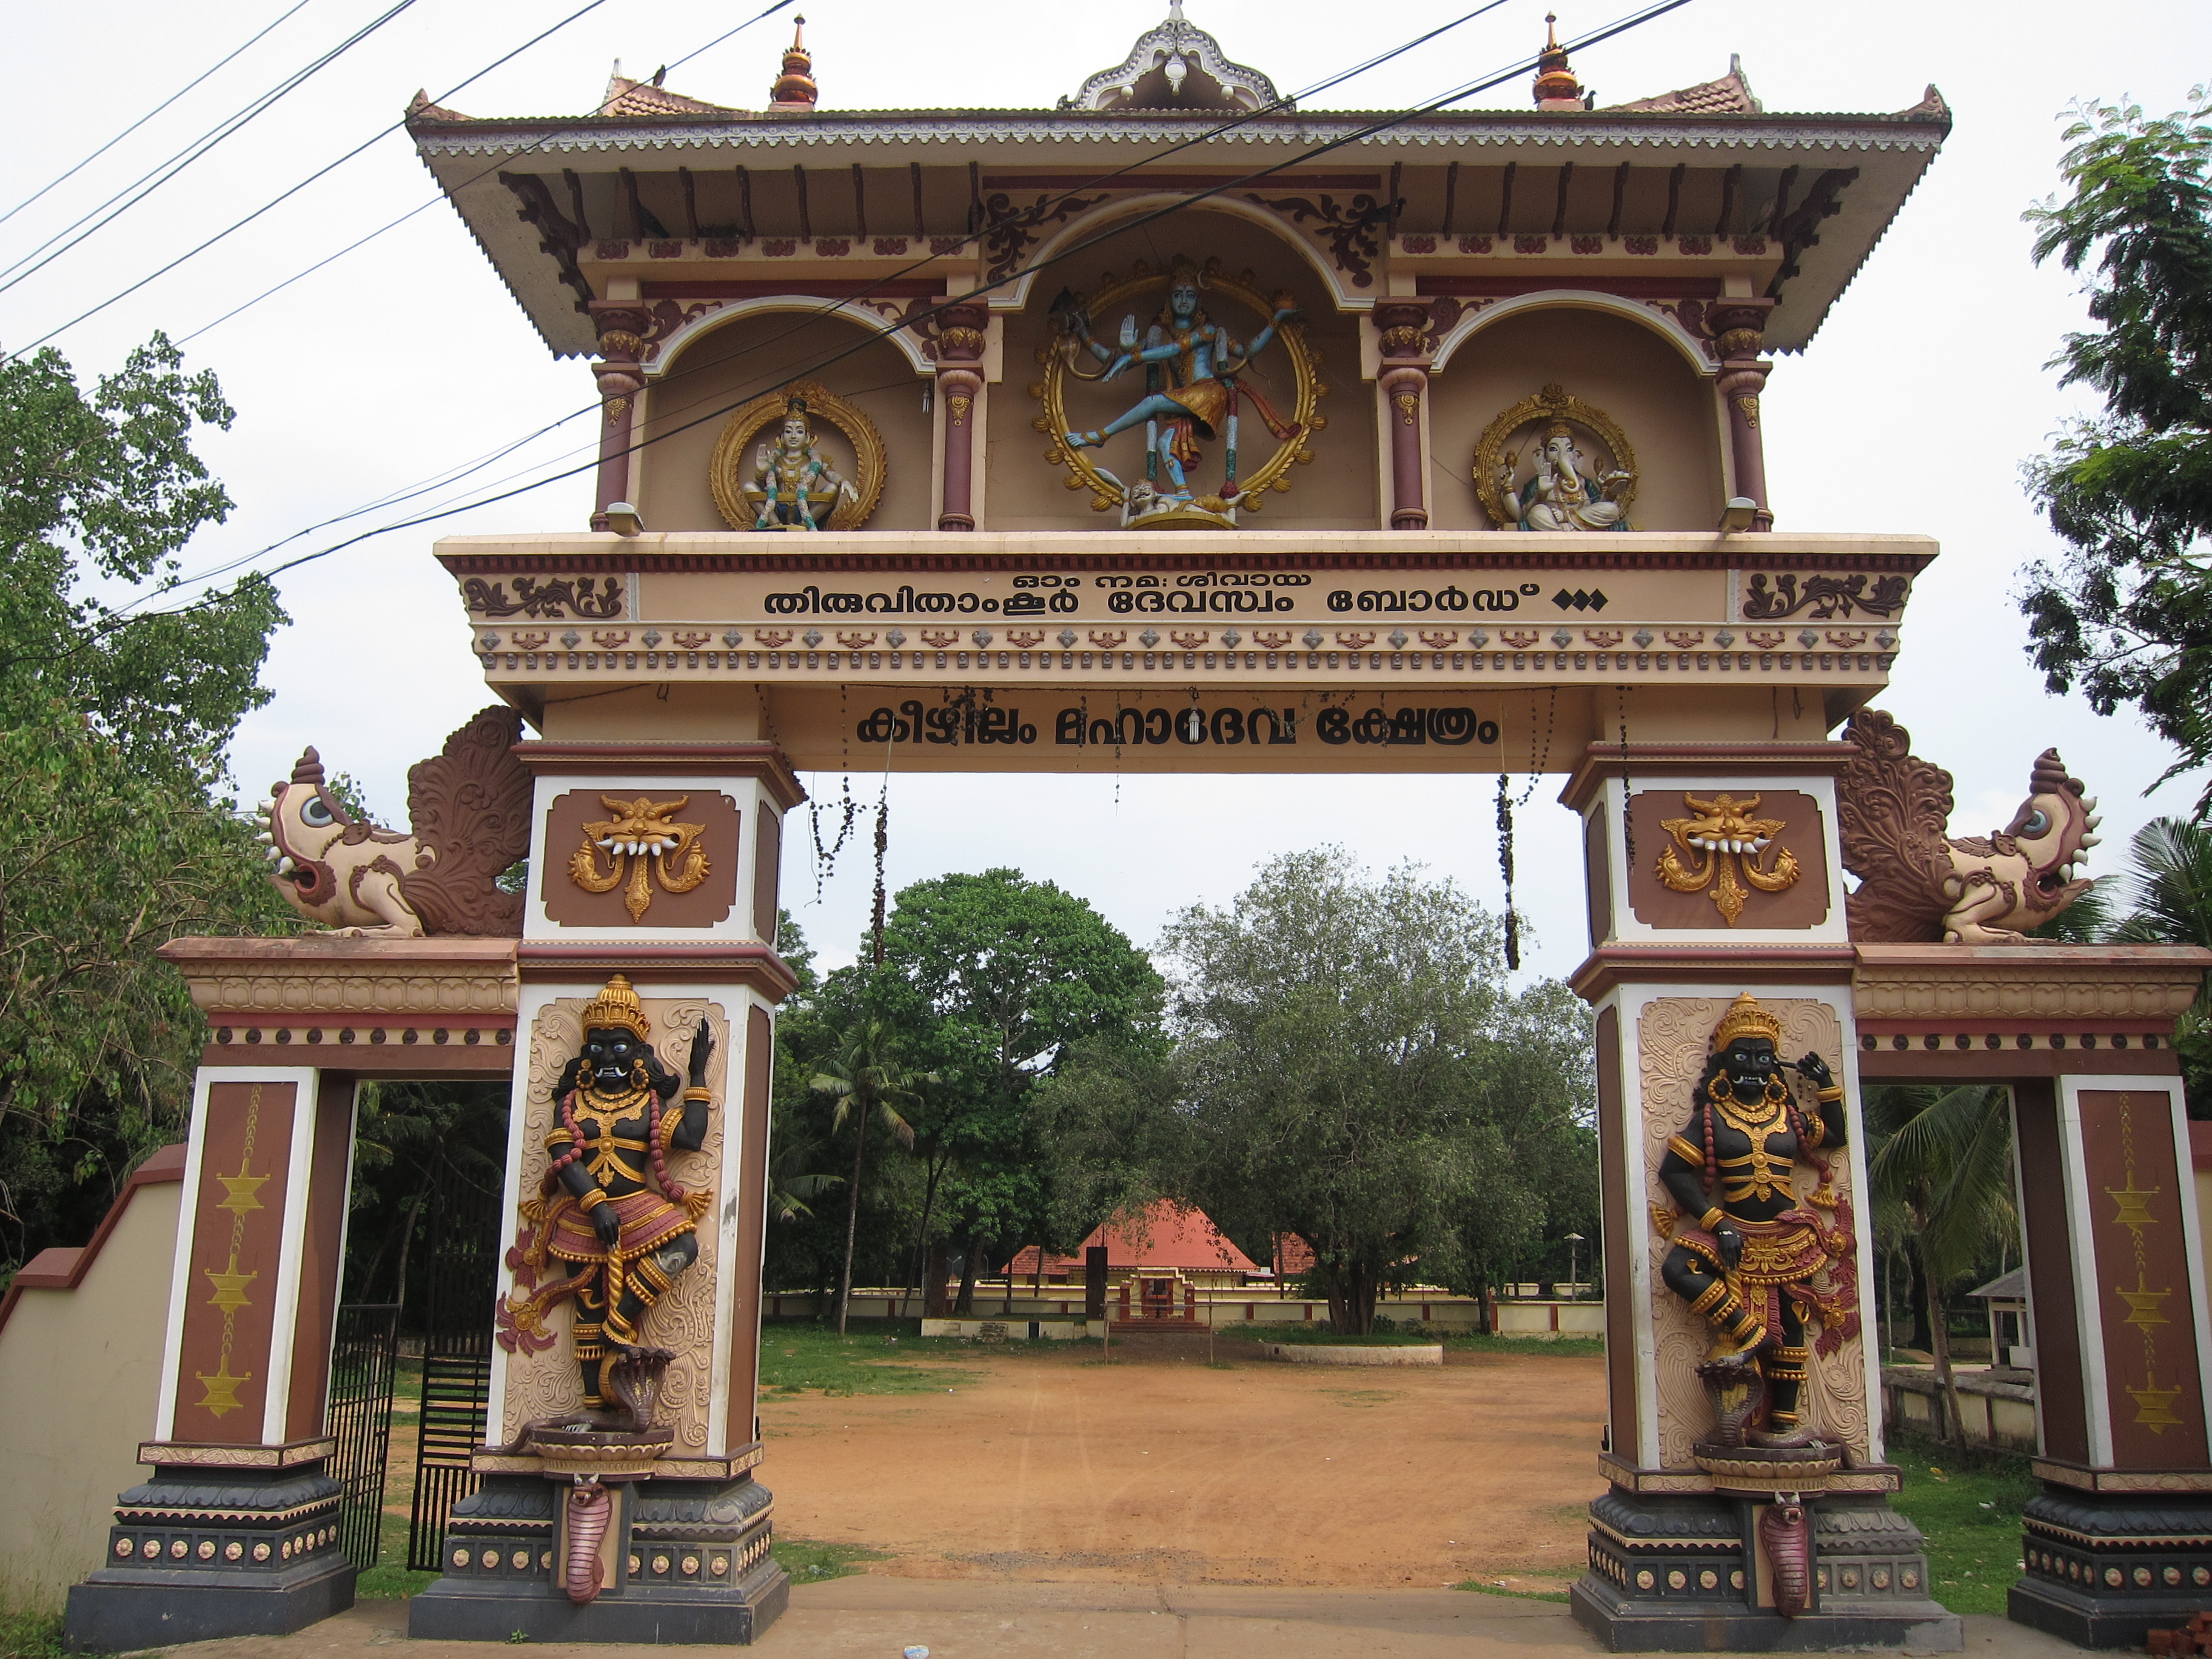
{"x": 608, "y": 1207}
{"x": 1192, "y": 388}
{"x": 1748, "y": 1261}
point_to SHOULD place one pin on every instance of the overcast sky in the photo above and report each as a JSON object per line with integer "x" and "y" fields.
{"x": 1911, "y": 411}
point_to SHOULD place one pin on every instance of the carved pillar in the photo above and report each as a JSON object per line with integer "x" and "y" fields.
{"x": 959, "y": 384}
{"x": 1737, "y": 325}
{"x": 622, "y": 330}
{"x": 1404, "y": 381}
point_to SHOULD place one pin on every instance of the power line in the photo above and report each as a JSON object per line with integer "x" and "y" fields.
{"x": 65, "y": 177}
{"x": 162, "y": 172}
{"x": 1280, "y": 102}
{"x": 1632, "y": 20}
{"x": 433, "y": 201}
{"x": 329, "y": 167}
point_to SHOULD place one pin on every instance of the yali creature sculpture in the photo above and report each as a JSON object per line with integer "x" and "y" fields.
{"x": 1747, "y": 1255}
{"x": 470, "y": 805}
{"x": 1197, "y": 379}
{"x": 1917, "y": 886}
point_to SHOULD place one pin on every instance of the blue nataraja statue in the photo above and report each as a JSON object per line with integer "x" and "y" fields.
{"x": 1192, "y": 391}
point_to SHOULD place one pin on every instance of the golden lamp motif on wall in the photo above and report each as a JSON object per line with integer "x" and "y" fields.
{"x": 642, "y": 837}
{"x": 1724, "y": 846}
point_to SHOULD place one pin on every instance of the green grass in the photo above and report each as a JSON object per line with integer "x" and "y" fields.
{"x": 1484, "y": 1587}
{"x": 1483, "y": 1342}
{"x": 809, "y": 1562}
{"x": 795, "y": 1358}
{"x": 1303, "y": 1333}
{"x": 389, "y": 1580}
{"x": 1969, "y": 1509}
{"x": 26, "y": 1635}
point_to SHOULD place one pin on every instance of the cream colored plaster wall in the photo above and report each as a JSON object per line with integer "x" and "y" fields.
{"x": 1632, "y": 373}
{"x": 731, "y": 365}
{"x": 1336, "y": 491}
{"x": 81, "y": 1371}
{"x": 663, "y": 712}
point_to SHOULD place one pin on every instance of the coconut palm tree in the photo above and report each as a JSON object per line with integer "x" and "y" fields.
{"x": 2169, "y": 892}
{"x": 864, "y": 1076}
{"x": 1940, "y": 1164}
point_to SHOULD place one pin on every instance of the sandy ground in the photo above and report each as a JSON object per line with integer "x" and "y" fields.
{"x": 1064, "y": 1466}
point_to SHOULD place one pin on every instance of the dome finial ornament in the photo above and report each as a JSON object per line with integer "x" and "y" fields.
{"x": 1556, "y": 87}
{"x": 794, "y": 89}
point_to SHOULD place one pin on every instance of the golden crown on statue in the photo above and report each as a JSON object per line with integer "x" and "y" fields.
{"x": 1745, "y": 1017}
{"x": 616, "y": 1005}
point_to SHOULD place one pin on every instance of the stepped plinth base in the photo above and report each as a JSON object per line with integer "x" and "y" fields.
{"x": 2104, "y": 1568}
{"x": 686, "y": 1562}
{"x": 1678, "y": 1573}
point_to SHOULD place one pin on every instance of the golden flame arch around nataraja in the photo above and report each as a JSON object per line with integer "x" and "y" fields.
{"x": 1110, "y": 295}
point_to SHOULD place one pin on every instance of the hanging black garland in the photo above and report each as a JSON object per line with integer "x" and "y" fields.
{"x": 883, "y": 841}
{"x": 1505, "y": 869}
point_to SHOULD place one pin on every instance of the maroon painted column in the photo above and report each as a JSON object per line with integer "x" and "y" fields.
{"x": 959, "y": 382}
{"x": 1737, "y": 325}
{"x": 1404, "y": 381}
{"x": 621, "y": 378}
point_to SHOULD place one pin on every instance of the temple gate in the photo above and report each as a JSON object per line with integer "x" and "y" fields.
{"x": 1432, "y": 444}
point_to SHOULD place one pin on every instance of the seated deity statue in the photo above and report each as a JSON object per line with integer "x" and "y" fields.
{"x": 1746, "y": 1252}
{"x": 794, "y": 488}
{"x": 1563, "y": 495}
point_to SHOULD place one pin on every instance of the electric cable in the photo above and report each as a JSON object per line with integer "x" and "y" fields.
{"x": 1283, "y": 101}
{"x": 382, "y": 133}
{"x": 54, "y": 183}
{"x": 431, "y": 202}
{"x": 29, "y": 264}
{"x": 1632, "y": 20}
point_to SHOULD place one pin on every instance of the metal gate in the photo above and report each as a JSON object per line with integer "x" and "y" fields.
{"x": 459, "y": 1289}
{"x": 361, "y": 1373}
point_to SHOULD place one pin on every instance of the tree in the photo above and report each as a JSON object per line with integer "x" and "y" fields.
{"x": 113, "y": 716}
{"x": 1941, "y": 1166}
{"x": 2168, "y": 892}
{"x": 990, "y": 978}
{"x": 2128, "y": 614}
{"x": 1354, "y": 1073}
{"x": 863, "y": 1075}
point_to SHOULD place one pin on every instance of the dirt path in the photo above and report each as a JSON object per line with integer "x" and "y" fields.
{"x": 1063, "y": 1466}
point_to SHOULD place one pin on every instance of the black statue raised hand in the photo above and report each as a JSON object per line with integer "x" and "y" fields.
{"x": 1815, "y": 1070}
{"x": 702, "y": 1050}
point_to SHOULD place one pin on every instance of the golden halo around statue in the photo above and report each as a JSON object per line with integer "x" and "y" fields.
{"x": 1272, "y": 474}
{"x": 730, "y": 473}
{"x": 1553, "y": 402}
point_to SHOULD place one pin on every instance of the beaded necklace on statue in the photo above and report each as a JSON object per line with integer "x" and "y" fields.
{"x": 602, "y": 1112}
{"x": 1759, "y": 1172}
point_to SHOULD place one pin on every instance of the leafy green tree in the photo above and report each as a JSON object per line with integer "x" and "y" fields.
{"x": 2168, "y": 892}
{"x": 2127, "y": 615}
{"x": 1940, "y": 1166}
{"x": 114, "y": 717}
{"x": 990, "y": 978}
{"x": 864, "y": 1074}
{"x": 1354, "y": 1072}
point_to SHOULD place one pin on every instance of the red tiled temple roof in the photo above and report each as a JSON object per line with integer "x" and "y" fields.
{"x": 1166, "y": 1236}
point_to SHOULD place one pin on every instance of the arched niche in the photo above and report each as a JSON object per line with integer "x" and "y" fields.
{"x": 1336, "y": 491}
{"x": 1098, "y": 222}
{"x": 719, "y": 368}
{"x": 1654, "y": 385}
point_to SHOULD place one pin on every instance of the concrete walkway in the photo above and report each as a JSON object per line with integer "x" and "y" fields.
{"x": 875, "y": 1617}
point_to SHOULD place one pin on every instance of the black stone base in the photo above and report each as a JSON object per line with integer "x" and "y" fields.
{"x": 2106, "y": 1569}
{"x": 200, "y": 1552}
{"x": 1680, "y": 1574}
{"x": 692, "y": 1566}
{"x": 124, "y": 1612}
{"x": 490, "y": 1612}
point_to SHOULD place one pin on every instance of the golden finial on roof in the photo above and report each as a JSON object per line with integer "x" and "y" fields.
{"x": 795, "y": 88}
{"x": 1556, "y": 85}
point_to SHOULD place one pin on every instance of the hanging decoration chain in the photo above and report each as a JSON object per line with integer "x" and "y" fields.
{"x": 1505, "y": 869}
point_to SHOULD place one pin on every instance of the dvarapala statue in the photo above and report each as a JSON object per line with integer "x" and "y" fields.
{"x": 1746, "y": 1265}
{"x": 607, "y": 1204}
